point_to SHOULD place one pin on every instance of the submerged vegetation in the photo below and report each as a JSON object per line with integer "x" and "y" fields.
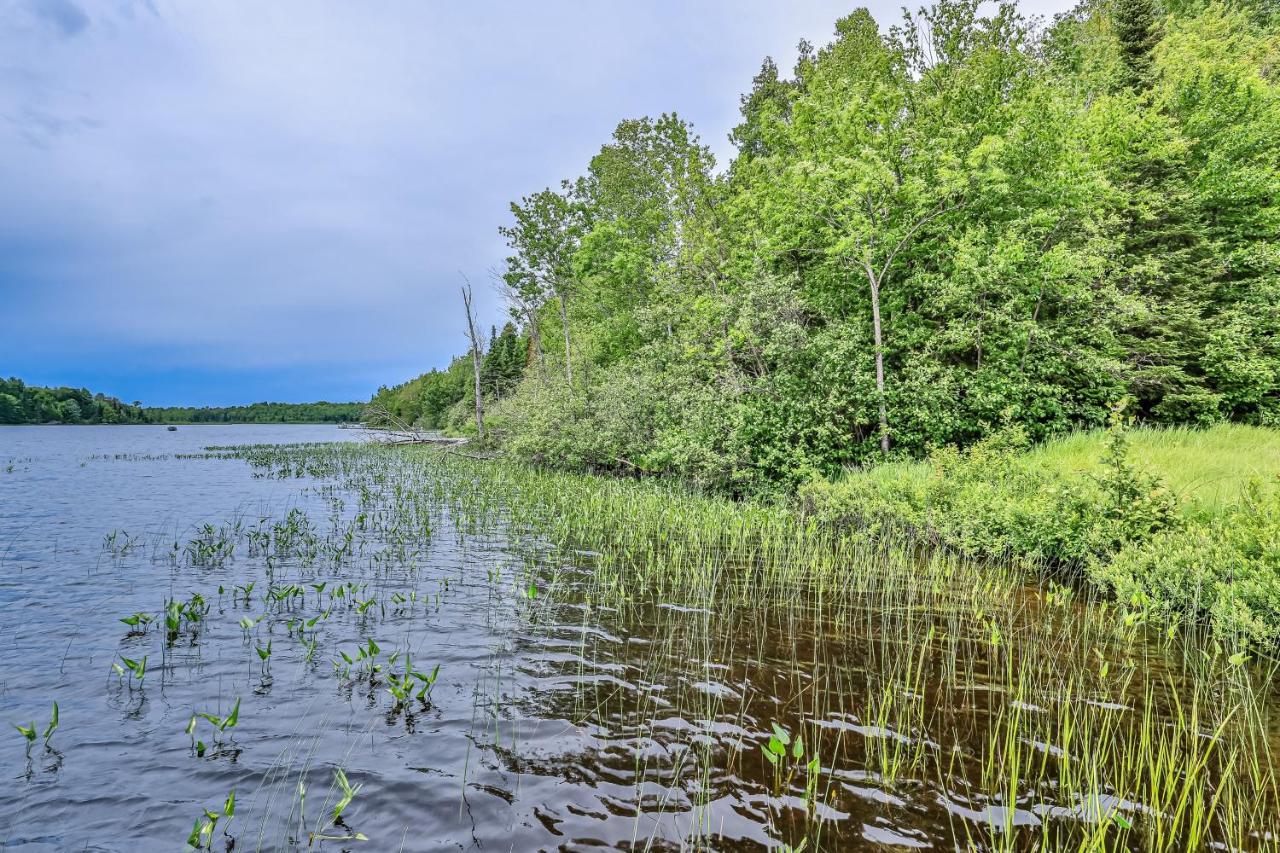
{"x": 639, "y": 661}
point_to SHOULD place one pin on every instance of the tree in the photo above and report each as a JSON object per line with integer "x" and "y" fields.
{"x": 477, "y": 355}
{"x": 69, "y": 411}
{"x": 862, "y": 185}
{"x": 1137, "y": 31}
{"x": 524, "y": 300}
{"x": 10, "y": 409}
{"x": 504, "y": 364}
{"x": 963, "y": 223}
{"x": 548, "y": 226}
{"x": 768, "y": 103}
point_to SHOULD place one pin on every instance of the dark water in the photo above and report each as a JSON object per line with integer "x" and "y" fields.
{"x": 553, "y": 724}
{"x": 500, "y": 759}
{"x": 121, "y": 782}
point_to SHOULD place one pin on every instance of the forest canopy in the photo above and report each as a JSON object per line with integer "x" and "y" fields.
{"x": 259, "y": 413}
{"x": 30, "y": 404}
{"x": 964, "y": 223}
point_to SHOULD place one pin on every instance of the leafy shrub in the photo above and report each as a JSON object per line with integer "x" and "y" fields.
{"x": 990, "y": 500}
{"x": 1121, "y": 527}
{"x": 1225, "y": 571}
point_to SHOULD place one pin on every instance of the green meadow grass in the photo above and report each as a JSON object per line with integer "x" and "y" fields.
{"x": 1208, "y": 469}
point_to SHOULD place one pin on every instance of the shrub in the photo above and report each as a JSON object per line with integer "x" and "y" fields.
{"x": 1121, "y": 527}
{"x": 1225, "y": 571}
{"x": 990, "y": 500}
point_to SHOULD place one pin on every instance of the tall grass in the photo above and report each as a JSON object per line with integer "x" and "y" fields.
{"x": 750, "y": 665}
{"x": 1208, "y": 469}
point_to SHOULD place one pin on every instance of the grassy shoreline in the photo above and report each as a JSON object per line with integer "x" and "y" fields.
{"x": 979, "y": 676}
{"x": 1179, "y": 525}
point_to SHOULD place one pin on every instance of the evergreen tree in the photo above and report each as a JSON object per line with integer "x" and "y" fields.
{"x": 1137, "y": 30}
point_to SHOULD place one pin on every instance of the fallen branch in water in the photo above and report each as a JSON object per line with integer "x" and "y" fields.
{"x": 401, "y": 431}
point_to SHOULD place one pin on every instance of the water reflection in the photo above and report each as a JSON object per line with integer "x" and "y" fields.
{"x": 565, "y": 715}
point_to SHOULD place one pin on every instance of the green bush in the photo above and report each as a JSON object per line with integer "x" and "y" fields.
{"x": 1119, "y": 525}
{"x": 1225, "y": 571}
{"x": 991, "y": 500}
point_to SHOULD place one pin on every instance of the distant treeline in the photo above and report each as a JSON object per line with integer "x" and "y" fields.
{"x": 30, "y": 404}
{"x": 258, "y": 413}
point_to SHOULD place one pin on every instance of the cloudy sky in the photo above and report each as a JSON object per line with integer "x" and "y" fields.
{"x": 221, "y": 202}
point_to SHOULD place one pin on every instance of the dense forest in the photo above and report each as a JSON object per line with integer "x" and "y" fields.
{"x": 29, "y": 404}
{"x": 961, "y": 224}
{"x": 258, "y": 413}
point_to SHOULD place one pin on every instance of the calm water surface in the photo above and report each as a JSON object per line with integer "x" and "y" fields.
{"x": 552, "y": 725}
{"x": 500, "y": 759}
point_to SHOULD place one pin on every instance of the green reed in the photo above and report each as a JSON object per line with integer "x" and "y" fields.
{"x": 796, "y": 668}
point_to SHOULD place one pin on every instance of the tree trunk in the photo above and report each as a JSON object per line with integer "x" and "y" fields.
{"x": 879, "y": 340}
{"x": 476, "y": 355}
{"x": 564, "y": 321}
{"x": 535, "y": 337}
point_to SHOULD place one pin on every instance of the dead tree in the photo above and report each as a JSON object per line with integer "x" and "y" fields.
{"x": 477, "y": 354}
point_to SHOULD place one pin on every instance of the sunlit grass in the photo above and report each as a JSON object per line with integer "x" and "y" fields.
{"x": 1208, "y": 469}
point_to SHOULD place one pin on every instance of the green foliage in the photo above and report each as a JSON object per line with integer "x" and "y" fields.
{"x": 30, "y": 404}
{"x": 1136, "y": 30}
{"x": 259, "y": 413}
{"x": 445, "y": 399}
{"x": 1158, "y": 548}
{"x": 963, "y": 225}
{"x": 1225, "y": 570}
{"x": 504, "y": 364}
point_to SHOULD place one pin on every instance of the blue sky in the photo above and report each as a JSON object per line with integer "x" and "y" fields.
{"x": 222, "y": 202}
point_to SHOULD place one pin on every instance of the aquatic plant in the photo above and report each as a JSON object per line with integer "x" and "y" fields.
{"x": 52, "y": 727}
{"x": 348, "y": 794}
{"x": 325, "y": 832}
{"x": 220, "y": 725}
{"x": 29, "y": 733}
{"x": 184, "y": 614}
{"x": 1003, "y": 709}
{"x": 138, "y": 622}
{"x": 201, "y": 837}
{"x": 264, "y": 655}
{"x": 137, "y": 670}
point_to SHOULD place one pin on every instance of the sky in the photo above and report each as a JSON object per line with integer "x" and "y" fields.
{"x": 213, "y": 203}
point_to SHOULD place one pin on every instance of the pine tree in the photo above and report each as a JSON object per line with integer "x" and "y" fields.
{"x": 1138, "y": 31}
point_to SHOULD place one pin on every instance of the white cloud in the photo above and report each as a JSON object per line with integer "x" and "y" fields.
{"x": 272, "y": 185}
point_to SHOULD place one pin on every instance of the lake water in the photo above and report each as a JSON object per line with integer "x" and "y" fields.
{"x": 555, "y": 720}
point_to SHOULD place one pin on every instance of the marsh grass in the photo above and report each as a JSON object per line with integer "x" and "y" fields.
{"x": 761, "y": 679}
{"x": 1064, "y": 720}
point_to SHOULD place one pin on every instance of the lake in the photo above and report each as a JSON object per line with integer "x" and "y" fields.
{"x": 490, "y": 657}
